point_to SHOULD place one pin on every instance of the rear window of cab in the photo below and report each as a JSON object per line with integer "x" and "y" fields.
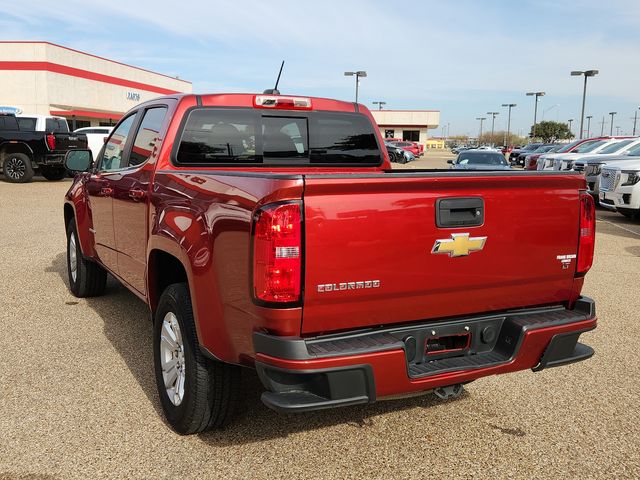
{"x": 239, "y": 136}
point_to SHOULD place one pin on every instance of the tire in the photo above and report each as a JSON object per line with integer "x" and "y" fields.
{"x": 402, "y": 159}
{"x": 392, "y": 157}
{"x": 199, "y": 394}
{"x": 53, "y": 174}
{"x": 17, "y": 168}
{"x": 89, "y": 279}
{"x": 630, "y": 213}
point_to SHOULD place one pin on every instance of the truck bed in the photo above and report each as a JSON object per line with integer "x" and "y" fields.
{"x": 362, "y": 227}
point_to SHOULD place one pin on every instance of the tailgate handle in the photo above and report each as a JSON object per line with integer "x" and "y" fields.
{"x": 459, "y": 212}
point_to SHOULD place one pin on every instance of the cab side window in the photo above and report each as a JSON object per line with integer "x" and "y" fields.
{"x": 147, "y": 136}
{"x": 112, "y": 158}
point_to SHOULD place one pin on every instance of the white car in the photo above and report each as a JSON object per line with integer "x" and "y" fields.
{"x": 42, "y": 123}
{"x": 619, "y": 188}
{"x": 95, "y": 137}
{"x": 591, "y": 165}
{"x": 565, "y": 161}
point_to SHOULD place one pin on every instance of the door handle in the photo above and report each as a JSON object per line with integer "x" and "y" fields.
{"x": 459, "y": 212}
{"x": 136, "y": 194}
{"x": 106, "y": 191}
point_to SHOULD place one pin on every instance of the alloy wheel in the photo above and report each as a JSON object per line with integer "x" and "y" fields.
{"x": 73, "y": 257}
{"x": 15, "y": 168}
{"x": 172, "y": 358}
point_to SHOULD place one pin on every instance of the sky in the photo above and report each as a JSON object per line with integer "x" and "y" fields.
{"x": 462, "y": 57}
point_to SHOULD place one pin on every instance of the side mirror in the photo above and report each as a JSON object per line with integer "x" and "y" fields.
{"x": 450, "y": 162}
{"x": 76, "y": 161}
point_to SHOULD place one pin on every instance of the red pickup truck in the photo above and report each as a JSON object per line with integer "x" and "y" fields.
{"x": 268, "y": 231}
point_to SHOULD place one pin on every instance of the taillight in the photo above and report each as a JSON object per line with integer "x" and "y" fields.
{"x": 286, "y": 103}
{"x": 587, "y": 239}
{"x": 51, "y": 141}
{"x": 277, "y": 250}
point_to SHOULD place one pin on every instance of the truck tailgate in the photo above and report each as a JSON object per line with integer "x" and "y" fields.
{"x": 369, "y": 246}
{"x": 70, "y": 141}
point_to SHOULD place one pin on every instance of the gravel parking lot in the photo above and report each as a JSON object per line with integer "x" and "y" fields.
{"x": 78, "y": 397}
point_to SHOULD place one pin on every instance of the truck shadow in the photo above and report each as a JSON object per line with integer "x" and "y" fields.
{"x": 126, "y": 324}
{"x": 613, "y": 223}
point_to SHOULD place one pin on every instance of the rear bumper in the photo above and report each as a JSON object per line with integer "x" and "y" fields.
{"x": 362, "y": 366}
{"x": 54, "y": 158}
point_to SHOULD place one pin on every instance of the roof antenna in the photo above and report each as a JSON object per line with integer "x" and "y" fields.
{"x": 274, "y": 90}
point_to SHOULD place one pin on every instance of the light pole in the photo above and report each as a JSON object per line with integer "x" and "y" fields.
{"x": 587, "y": 74}
{"x": 635, "y": 119}
{"x": 589, "y": 117}
{"x": 602, "y": 126}
{"x": 508, "y": 137}
{"x": 617, "y": 130}
{"x": 380, "y": 104}
{"x": 535, "y": 110}
{"x": 612, "y": 115}
{"x": 493, "y": 123}
{"x": 482, "y": 119}
{"x": 358, "y": 74}
{"x": 570, "y": 122}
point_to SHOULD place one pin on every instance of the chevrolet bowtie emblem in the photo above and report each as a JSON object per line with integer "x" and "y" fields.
{"x": 459, "y": 245}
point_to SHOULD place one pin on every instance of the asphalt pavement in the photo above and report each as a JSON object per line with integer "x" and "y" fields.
{"x": 78, "y": 397}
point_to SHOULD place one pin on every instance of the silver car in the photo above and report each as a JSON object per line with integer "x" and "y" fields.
{"x": 564, "y": 161}
{"x": 591, "y": 166}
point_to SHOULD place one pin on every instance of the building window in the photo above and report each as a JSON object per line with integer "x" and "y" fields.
{"x": 411, "y": 135}
{"x": 389, "y": 133}
{"x": 82, "y": 124}
{"x": 107, "y": 124}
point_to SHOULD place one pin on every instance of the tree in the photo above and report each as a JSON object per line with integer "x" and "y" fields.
{"x": 499, "y": 137}
{"x": 551, "y": 131}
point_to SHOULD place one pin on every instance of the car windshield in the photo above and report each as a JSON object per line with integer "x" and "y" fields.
{"x": 569, "y": 146}
{"x": 542, "y": 149}
{"x": 615, "y": 147}
{"x": 587, "y": 147}
{"x": 531, "y": 146}
{"x": 481, "y": 158}
{"x": 634, "y": 151}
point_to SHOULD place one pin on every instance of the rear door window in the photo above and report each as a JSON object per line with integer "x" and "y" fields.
{"x": 27, "y": 123}
{"x": 215, "y": 136}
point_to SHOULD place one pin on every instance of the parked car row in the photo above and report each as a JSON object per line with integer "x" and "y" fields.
{"x": 414, "y": 147}
{"x": 401, "y": 151}
{"x": 610, "y": 164}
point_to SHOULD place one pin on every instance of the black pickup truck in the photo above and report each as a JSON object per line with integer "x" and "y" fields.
{"x": 23, "y": 151}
